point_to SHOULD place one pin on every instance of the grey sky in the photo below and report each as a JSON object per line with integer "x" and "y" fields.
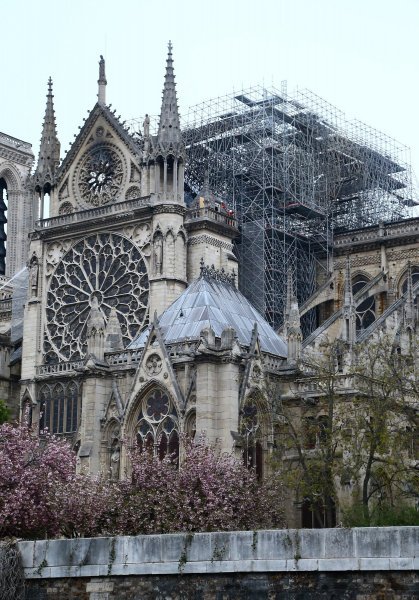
{"x": 360, "y": 56}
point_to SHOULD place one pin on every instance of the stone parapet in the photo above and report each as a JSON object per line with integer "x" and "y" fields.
{"x": 358, "y": 549}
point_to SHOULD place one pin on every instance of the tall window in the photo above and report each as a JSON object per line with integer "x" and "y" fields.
{"x": 415, "y": 279}
{"x": 3, "y": 225}
{"x": 365, "y": 312}
{"x": 251, "y": 432}
{"x": 157, "y": 426}
{"x": 59, "y": 407}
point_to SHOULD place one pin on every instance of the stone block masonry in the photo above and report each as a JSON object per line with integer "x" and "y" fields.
{"x": 361, "y": 563}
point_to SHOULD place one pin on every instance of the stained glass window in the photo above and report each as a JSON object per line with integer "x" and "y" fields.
{"x": 157, "y": 425}
{"x": 59, "y": 407}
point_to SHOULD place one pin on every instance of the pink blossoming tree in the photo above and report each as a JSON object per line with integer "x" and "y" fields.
{"x": 41, "y": 495}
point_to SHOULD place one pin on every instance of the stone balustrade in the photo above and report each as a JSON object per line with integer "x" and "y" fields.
{"x": 93, "y": 213}
{"x": 206, "y": 212}
{"x": 369, "y": 234}
{"x": 59, "y": 368}
{"x": 14, "y": 142}
{"x": 124, "y": 357}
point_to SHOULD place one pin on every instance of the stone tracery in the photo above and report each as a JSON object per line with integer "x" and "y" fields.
{"x": 100, "y": 176}
{"x": 107, "y": 267}
{"x": 157, "y": 427}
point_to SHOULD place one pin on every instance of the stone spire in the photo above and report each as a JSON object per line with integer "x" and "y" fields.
{"x": 349, "y": 310}
{"x": 49, "y": 151}
{"x": 169, "y": 137}
{"x": 101, "y": 95}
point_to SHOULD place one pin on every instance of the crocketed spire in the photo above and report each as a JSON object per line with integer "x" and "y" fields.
{"x": 49, "y": 151}
{"x": 169, "y": 137}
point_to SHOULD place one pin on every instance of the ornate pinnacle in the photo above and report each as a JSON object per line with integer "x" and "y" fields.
{"x": 49, "y": 151}
{"x": 169, "y": 135}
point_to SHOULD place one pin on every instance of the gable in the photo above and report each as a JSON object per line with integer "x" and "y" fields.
{"x": 101, "y": 167}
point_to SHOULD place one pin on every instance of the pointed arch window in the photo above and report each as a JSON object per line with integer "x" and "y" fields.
{"x": 157, "y": 427}
{"x": 415, "y": 280}
{"x": 365, "y": 312}
{"x": 59, "y": 407}
{"x": 251, "y": 432}
{"x": 3, "y": 224}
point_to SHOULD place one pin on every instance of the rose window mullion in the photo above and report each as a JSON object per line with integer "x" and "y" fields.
{"x": 79, "y": 275}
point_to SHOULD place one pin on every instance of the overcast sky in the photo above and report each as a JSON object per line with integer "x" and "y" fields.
{"x": 360, "y": 55}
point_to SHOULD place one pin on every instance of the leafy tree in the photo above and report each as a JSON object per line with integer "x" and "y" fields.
{"x": 382, "y": 421}
{"x": 353, "y": 418}
{"x": 309, "y": 437}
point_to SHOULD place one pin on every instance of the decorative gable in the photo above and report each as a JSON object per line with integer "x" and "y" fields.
{"x": 99, "y": 167}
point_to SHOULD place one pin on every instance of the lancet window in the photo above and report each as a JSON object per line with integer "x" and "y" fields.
{"x": 158, "y": 425}
{"x": 59, "y": 407}
{"x": 415, "y": 279}
{"x": 3, "y": 225}
{"x": 365, "y": 312}
{"x": 251, "y": 432}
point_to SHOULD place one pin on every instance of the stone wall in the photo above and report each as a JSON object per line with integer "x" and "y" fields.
{"x": 304, "y": 564}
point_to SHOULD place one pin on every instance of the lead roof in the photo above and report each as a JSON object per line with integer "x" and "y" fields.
{"x": 208, "y": 302}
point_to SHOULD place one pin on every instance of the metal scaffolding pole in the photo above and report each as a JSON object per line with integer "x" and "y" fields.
{"x": 294, "y": 170}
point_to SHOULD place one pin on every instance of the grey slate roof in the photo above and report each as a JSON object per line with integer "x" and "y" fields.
{"x": 209, "y": 302}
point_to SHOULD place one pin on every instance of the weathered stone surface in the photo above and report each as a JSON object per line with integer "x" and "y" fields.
{"x": 369, "y": 549}
{"x": 244, "y": 586}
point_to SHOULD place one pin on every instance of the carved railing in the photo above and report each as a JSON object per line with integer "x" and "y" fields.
{"x": 59, "y": 368}
{"x": 390, "y": 230}
{"x": 313, "y": 385}
{"x": 206, "y": 212}
{"x": 5, "y": 305}
{"x": 273, "y": 363}
{"x": 124, "y": 357}
{"x": 93, "y": 213}
{"x": 15, "y": 142}
{"x": 182, "y": 349}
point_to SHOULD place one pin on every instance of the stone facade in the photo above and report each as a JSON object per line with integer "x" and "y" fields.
{"x": 133, "y": 325}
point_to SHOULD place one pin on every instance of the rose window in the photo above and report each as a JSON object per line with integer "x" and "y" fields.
{"x": 103, "y": 267}
{"x": 100, "y": 176}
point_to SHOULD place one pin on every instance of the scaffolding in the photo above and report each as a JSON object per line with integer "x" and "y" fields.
{"x": 295, "y": 170}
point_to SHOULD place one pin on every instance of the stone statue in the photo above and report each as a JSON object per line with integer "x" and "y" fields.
{"x": 158, "y": 255}
{"x": 115, "y": 459}
{"x": 102, "y": 68}
{"x": 146, "y": 126}
{"x": 33, "y": 275}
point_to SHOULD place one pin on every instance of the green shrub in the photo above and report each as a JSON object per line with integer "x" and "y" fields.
{"x": 4, "y": 412}
{"x": 382, "y": 515}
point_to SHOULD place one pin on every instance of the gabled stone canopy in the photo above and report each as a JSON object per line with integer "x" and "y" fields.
{"x": 210, "y": 302}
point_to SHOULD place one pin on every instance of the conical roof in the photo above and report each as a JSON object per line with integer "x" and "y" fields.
{"x": 210, "y": 302}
